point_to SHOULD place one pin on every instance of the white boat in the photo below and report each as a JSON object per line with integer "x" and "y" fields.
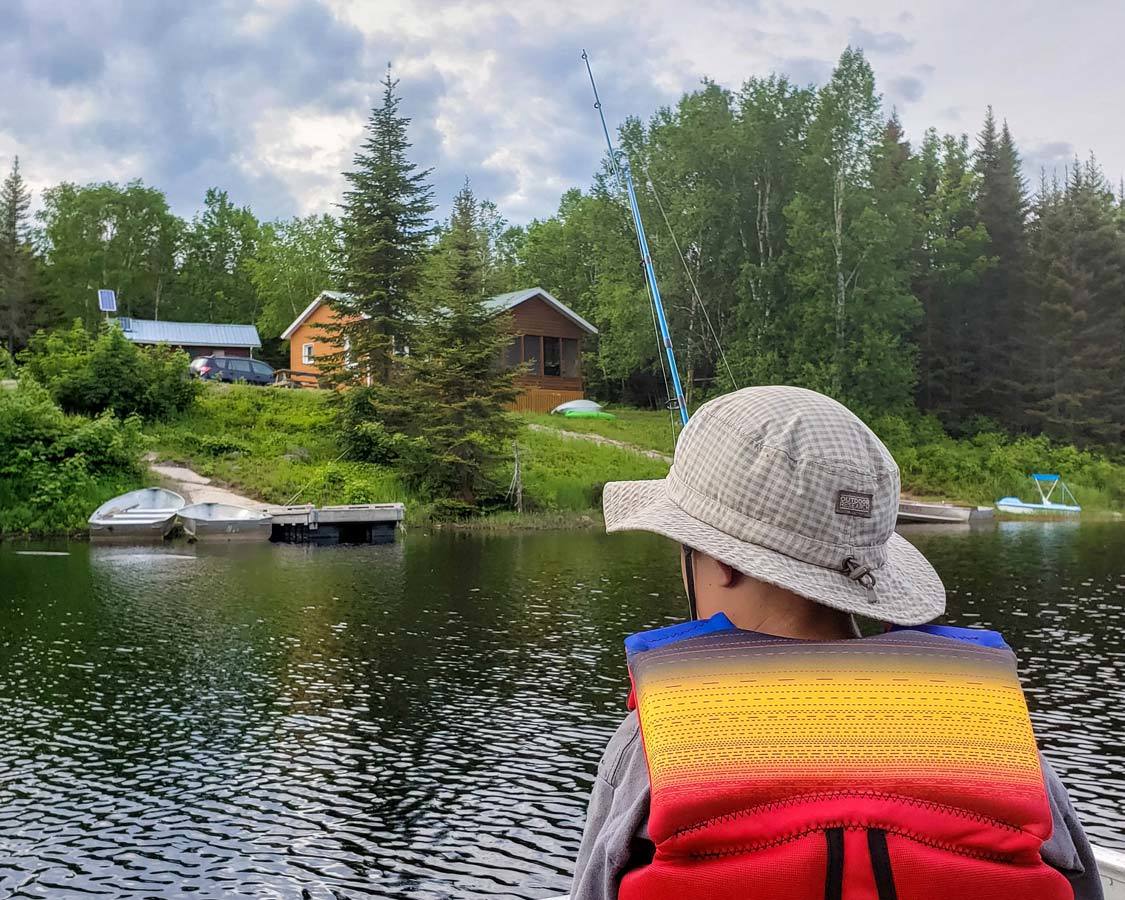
{"x": 1111, "y": 868}
{"x": 144, "y": 515}
{"x": 912, "y": 511}
{"x": 1046, "y": 506}
{"x": 223, "y": 521}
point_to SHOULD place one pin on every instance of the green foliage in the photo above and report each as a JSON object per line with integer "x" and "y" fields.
{"x": 56, "y": 469}
{"x": 108, "y": 236}
{"x": 7, "y": 364}
{"x": 273, "y": 444}
{"x": 292, "y": 265}
{"x": 440, "y": 418}
{"x": 18, "y": 271}
{"x": 91, "y": 374}
{"x": 386, "y": 231}
{"x": 214, "y": 281}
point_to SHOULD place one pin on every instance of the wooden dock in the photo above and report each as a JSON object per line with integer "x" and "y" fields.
{"x": 361, "y": 523}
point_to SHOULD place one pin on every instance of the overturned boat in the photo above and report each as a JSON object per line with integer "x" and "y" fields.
{"x": 144, "y": 515}
{"x": 225, "y": 522}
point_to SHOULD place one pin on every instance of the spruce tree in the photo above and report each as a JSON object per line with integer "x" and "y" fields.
{"x": 443, "y": 421}
{"x": 1078, "y": 389}
{"x": 386, "y": 231}
{"x": 16, "y": 263}
{"x": 998, "y": 322}
{"x": 951, "y": 259}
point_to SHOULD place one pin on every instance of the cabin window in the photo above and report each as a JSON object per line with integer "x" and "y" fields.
{"x": 307, "y": 354}
{"x": 513, "y": 353}
{"x": 552, "y": 356}
{"x": 532, "y": 353}
{"x": 569, "y": 358}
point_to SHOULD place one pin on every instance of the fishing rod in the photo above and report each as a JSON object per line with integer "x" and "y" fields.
{"x": 625, "y": 179}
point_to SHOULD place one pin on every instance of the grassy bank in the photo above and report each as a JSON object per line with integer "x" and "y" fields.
{"x": 279, "y": 446}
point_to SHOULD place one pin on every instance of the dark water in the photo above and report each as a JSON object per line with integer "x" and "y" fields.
{"x": 420, "y": 720}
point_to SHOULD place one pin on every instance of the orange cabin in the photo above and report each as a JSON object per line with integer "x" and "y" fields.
{"x": 547, "y": 335}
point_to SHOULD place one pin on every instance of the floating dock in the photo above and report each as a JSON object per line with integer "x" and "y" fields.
{"x": 362, "y": 523}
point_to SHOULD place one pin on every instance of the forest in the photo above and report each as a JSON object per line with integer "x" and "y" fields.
{"x": 799, "y": 237}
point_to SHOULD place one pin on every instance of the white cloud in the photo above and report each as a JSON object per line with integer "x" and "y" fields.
{"x": 269, "y": 98}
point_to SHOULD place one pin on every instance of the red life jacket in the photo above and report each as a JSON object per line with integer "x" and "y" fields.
{"x": 897, "y": 766}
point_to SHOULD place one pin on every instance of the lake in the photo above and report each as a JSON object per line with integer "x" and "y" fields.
{"x": 420, "y": 720}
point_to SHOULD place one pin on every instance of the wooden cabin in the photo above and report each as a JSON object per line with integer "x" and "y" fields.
{"x": 547, "y": 336}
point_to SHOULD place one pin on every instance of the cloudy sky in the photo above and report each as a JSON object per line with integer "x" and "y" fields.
{"x": 268, "y": 98}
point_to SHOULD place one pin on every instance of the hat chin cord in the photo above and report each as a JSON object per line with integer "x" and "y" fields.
{"x": 689, "y": 578}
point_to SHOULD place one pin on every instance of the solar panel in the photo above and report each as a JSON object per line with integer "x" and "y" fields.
{"x": 107, "y": 301}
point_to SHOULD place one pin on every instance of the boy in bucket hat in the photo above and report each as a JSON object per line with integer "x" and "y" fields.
{"x": 774, "y": 752}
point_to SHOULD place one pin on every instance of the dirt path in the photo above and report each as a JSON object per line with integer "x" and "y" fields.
{"x": 195, "y": 488}
{"x": 600, "y": 439}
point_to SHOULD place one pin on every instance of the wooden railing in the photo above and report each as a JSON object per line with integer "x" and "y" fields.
{"x": 542, "y": 400}
{"x": 295, "y": 378}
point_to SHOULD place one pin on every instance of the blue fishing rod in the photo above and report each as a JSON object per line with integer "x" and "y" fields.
{"x": 625, "y": 179}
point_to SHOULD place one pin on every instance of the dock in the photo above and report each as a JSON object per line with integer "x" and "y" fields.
{"x": 361, "y": 523}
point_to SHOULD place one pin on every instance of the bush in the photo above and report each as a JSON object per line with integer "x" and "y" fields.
{"x": 54, "y": 468}
{"x": 91, "y": 374}
{"x": 7, "y": 364}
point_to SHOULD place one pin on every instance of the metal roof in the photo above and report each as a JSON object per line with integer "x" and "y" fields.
{"x": 189, "y": 334}
{"x": 515, "y": 298}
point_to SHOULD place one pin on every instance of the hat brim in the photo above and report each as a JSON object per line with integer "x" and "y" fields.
{"x": 907, "y": 590}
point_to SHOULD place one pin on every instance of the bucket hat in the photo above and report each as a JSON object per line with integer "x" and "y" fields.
{"x": 790, "y": 487}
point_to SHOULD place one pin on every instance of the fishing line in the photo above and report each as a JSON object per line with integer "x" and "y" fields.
{"x": 691, "y": 280}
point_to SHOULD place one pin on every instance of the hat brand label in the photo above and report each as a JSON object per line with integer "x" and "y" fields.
{"x": 853, "y": 503}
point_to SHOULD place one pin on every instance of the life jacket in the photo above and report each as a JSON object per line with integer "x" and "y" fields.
{"x": 896, "y": 767}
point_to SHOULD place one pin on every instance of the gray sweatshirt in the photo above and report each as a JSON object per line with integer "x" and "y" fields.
{"x": 616, "y": 836}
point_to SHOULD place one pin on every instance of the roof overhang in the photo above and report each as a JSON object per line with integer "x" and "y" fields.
{"x": 303, "y": 317}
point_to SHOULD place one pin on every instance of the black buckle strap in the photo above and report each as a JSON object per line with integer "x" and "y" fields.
{"x": 881, "y": 864}
{"x": 834, "y": 877}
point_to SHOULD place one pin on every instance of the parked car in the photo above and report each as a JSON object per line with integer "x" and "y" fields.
{"x": 232, "y": 368}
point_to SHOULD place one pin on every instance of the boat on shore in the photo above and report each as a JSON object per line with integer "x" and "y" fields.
{"x": 1045, "y": 506}
{"x": 918, "y": 512}
{"x": 225, "y": 522}
{"x": 147, "y": 514}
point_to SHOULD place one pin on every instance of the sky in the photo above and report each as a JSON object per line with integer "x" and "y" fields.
{"x": 268, "y": 98}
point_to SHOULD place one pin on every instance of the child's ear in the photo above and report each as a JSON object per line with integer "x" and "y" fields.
{"x": 728, "y": 576}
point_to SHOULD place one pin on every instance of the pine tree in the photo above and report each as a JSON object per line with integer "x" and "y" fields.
{"x": 443, "y": 421}
{"x": 1078, "y": 389}
{"x": 17, "y": 313}
{"x": 1000, "y": 309}
{"x": 951, "y": 257}
{"x": 386, "y": 231}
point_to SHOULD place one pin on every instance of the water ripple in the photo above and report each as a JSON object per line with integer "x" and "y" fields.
{"x": 415, "y": 721}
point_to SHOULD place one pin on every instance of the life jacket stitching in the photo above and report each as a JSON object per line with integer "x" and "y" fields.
{"x": 848, "y": 826}
{"x": 837, "y": 795}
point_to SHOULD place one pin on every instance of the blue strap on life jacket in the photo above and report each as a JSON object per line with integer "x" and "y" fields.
{"x": 669, "y": 634}
{"x": 979, "y": 636}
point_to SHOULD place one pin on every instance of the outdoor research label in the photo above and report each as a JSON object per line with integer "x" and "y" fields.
{"x": 852, "y": 503}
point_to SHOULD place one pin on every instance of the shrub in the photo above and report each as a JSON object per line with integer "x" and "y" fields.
{"x": 54, "y": 468}
{"x": 7, "y": 364}
{"x": 90, "y": 374}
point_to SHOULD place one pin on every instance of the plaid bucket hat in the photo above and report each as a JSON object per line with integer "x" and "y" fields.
{"x": 790, "y": 487}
